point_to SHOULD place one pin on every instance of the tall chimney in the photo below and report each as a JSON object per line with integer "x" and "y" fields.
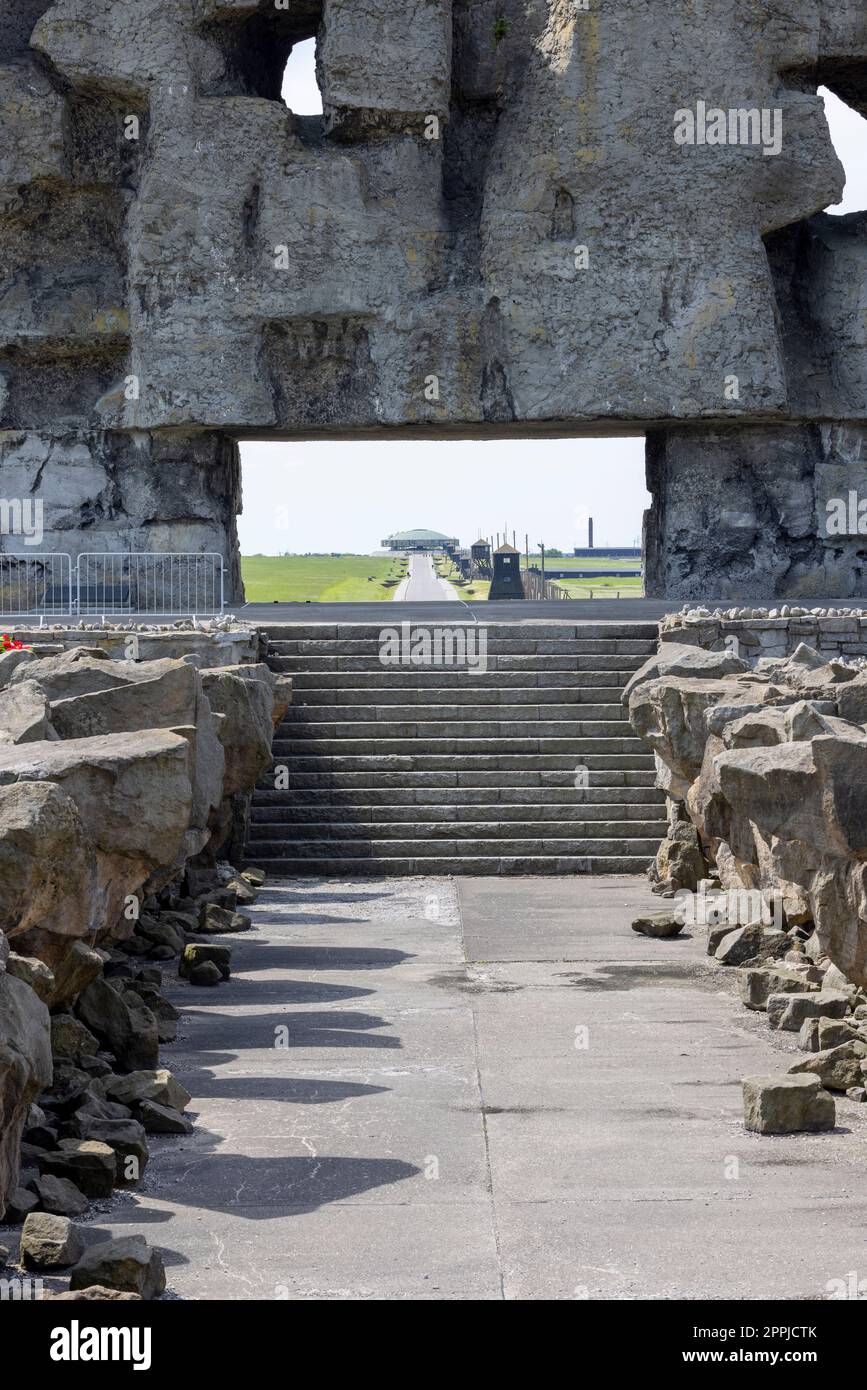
{"x": 590, "y": 534}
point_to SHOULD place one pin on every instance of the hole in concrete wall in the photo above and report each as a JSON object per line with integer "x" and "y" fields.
{"x": 849, "y": 137}
{"x": 316, "y": 513}
{"x": 300, "y": 90}
{"x": 257, "y": 47}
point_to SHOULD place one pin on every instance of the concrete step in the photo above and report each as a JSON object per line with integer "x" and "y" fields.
{"x": 332, "y": 847}
{"x": 369, "y": 665}
{"x": 419, "y": 750}
{"x": 611, "y": 670}
{"x": 442, "y": 866}
{"x": 573, "y": 815}
{"x": 430, "y": 801}
{"x": 428, "y": 701}
{"x": 450, "y": 769}
{"x": 475, "y": 830}
{"x": 341, "y": 777}
{"x": 506, "y": 732}
{"x": 553, "y": 630}
{"x": 369, "y": 718}
{"x": 375, "y": 648}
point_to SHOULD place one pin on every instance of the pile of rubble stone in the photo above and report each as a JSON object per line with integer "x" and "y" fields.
{"x": 123, "y": 791}
{"x": 765, "y": 768}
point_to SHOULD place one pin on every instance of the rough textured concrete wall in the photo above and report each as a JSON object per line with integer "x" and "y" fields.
{"x": 179, "y": 252}
{"x": 750, "y": 513}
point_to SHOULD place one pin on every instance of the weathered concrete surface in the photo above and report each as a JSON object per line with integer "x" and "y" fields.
{"x": 415, "y": 1049}
{"x": 743, "y": 513}
{"x": 493, "y": 198}
{"x": 407, "y": 255}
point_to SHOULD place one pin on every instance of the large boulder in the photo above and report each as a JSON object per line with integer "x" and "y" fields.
{"x": 11, "y": 660}
{"x": 244, "y": 697}
{"x": 24, "y": 714}
{"x": 47, "y": 864}
{"x": 134, "y": 798}
{"x": 154, "y": 695}
{"x": 681, "y": 659}
{"x": 771, "y": 766}
{"x": 25, "y": 1070}
{"x": 77, "y": 671}
{"x": 669, "y": 714}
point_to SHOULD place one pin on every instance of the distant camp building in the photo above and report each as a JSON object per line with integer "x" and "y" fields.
{"x": 507, "y": 581}
{"x": 419, "y": 541}
{"x": 480, "y": 554}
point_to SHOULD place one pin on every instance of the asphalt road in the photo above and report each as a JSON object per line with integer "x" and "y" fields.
{"x": 423, "y": 584}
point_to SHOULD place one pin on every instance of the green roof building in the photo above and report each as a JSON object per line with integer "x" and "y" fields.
{"x": 419, "y": 541}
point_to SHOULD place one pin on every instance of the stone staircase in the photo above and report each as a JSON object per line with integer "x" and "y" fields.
{"x": 450, "y": 771}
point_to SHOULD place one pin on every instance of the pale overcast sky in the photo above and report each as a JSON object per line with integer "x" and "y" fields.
{"x": 348, "y": 496}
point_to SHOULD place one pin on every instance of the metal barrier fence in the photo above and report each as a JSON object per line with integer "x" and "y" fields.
{"x": 35, "y": 583}
{"x": 115, "y": 585}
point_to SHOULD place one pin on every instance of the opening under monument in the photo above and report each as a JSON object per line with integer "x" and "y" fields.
{"x": 369, "y": 520}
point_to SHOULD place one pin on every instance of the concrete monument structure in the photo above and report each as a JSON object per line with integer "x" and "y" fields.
{"x": 516, "y": 217}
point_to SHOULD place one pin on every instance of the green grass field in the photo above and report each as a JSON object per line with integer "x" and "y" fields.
{"x": 602, "y": 588}
{"x": 321, "y": 578}
{"x": 576, "y": 588}
{"x": 360, "y": 578}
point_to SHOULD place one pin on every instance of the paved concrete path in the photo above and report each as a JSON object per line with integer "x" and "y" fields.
{"x": 416, "y": 1089}
{"x": 423, "y": 584}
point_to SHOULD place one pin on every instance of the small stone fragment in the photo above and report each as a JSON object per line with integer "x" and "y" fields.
{"x": 19, "y": 1205}
{"x": 788, "y": 1011}
{"x": 660, "y": 925}
{"x": 787, "y": 1105}
{"x": 837, "y": 1068}
{"x": 205, "y": 974}
{"x": 59, "y": 1196}
{"x": 70, "y": 1038}
{"x": 128, "y": 1264}
{"x": 214, "y": 920}
{"x": 740, "y": 944}
{"x": 88, "y": 1163}
{"x": 757, "y": 983}
{"x": 198, "y": 952}
{"x": 834, "y": 1032}
{"x": 159, "y": 1086}
{"x": 50, "y": 1242}
{"x": 159, "y": 1119}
